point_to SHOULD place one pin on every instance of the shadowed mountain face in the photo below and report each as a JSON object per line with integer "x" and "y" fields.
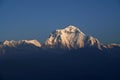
{"x": 68, "y": 54}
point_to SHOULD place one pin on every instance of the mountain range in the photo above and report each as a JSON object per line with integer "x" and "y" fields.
{"x": 67, "y": 54}
{"x": 69, "y": 38}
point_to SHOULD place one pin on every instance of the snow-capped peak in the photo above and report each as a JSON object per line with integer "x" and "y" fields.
{"x": 112, "y": 45}
{"x": 13, "y": 43}
{"x": 34, "y": 42}
{"x": 71, "y": 29}
{"x": 69, "y": 37}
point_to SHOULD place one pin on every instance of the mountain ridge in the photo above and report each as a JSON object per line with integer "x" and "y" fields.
{"x": 67, "y": 38}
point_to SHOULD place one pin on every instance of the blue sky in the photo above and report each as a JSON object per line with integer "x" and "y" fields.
{"x": 35, "y": 19}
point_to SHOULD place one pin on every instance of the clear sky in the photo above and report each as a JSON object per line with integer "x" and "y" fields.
{"x": 35, "y": 19}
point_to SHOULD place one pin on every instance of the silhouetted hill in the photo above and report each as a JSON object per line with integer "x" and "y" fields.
{"x": 79, "y": 64}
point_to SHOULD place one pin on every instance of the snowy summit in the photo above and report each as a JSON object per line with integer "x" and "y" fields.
{"x": 71, "y": 38}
